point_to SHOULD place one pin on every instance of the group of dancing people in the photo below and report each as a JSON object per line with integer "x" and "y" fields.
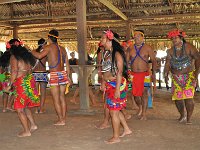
{"x": 119, "y": 66}
{"x": 22, "y": 72}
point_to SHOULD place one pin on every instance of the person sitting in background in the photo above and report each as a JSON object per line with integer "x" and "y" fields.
{"x": 158, "y": 68}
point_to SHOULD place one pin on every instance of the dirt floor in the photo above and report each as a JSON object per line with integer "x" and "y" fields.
{"x": 160, "y": 132}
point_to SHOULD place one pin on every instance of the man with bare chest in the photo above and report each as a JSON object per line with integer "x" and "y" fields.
{"x": 57, "y": 56}
{"x": 138, "y": 56}
{"x": 183, "y": 62}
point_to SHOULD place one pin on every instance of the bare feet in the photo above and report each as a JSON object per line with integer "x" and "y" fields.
{"x": 59, "y": 123}
{"x": 143, "y": 118}
{"x": 182, "y": 119}
{"x": 4, "y": 110}
{"x": 128, "y": 116}
{"x": 112, "y": 140}
{"x": 129, "y": 132}
{"x": 37, "y": 111}
{"x": 24, "y": 134}
{"x": 42, "y": 111}
{"x": 73, "y": 101}
{"x": 94, "y": 104}
{"x": 33, "y": 128}
{"x": 102, "y": 126}
{"x": 10, "y": 109}
{"x": 188, "y": 123}
{"x": 139, "y": 113}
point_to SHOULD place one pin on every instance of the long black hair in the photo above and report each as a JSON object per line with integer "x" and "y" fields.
{"x": 21, "y": 53}
{"x": 118, "y": 48}
{"x": 183, "y": 39}
{"x": 5, "y": 58}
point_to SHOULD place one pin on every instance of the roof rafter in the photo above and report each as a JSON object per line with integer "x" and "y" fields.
{"x": 114, "y": 9}
{"x": 10, "y": 1}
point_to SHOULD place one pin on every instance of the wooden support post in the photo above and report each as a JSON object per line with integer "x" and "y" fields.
{"x": 128, "y": 31}
{"x": 81, "y": 39}
{"x": 15, "y": 32}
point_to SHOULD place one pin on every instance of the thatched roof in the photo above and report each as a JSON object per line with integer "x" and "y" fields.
{"x": 34, "y": 18}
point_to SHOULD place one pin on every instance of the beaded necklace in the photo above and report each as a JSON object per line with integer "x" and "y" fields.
{"x": 180, "y": 62}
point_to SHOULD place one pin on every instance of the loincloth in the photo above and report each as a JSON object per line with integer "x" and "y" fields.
{"x": 58, "y": 78}
{"x": 26, "y": 92}
{"x": 113, "y": 103}
{"x": 139, "y": 81}
{"x": 183, "y": 86}
{"x": 40, "y": 76}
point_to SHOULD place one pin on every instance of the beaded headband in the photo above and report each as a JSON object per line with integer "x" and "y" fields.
{"x": 53, "y": 36}
{"x": 139, "y": 32}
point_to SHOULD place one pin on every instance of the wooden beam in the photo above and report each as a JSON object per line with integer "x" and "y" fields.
{"x": 49, "y": 17}
{"x": 99, "y": 22}
{"x": 82, "y": 50}
{"x": 11, "y": 1}
{"x": 136, "y": 9}
{"x": 113, "y": 8}
{"x": 167, "y": 16}
{"x": 105, "y": 23}
{"x": 15, "y": 32}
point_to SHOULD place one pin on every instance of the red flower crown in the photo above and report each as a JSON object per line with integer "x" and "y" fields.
{"x": 109, "y": 34}
{"x": 175, "y": 33}
{"x": 16, "y": 43}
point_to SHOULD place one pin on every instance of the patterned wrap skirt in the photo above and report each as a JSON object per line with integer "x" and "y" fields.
{"x": 40, "y": 76}
{"x": 113, "y": 103}
{"x": 26, "y": 94}
{"x": 183, "y": 86}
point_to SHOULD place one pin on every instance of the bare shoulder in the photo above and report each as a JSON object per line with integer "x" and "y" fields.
{"x": 169, "y": 51}
{"x": 190, "y": 46}
{"x": 47, "y": 47}
{"x": 130, "y": 48}
{"x": 191, "y": 49}
{"x": 147, "y": 46}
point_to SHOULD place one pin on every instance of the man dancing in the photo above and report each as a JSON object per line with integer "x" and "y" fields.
{"x": 138, "y": 56}
{"x": 57, "y": 56}
{"x": 183, "y": 62}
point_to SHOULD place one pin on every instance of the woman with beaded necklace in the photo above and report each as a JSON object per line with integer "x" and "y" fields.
{"x": 114, "y": 69}
{"x": 179, "y": 62}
